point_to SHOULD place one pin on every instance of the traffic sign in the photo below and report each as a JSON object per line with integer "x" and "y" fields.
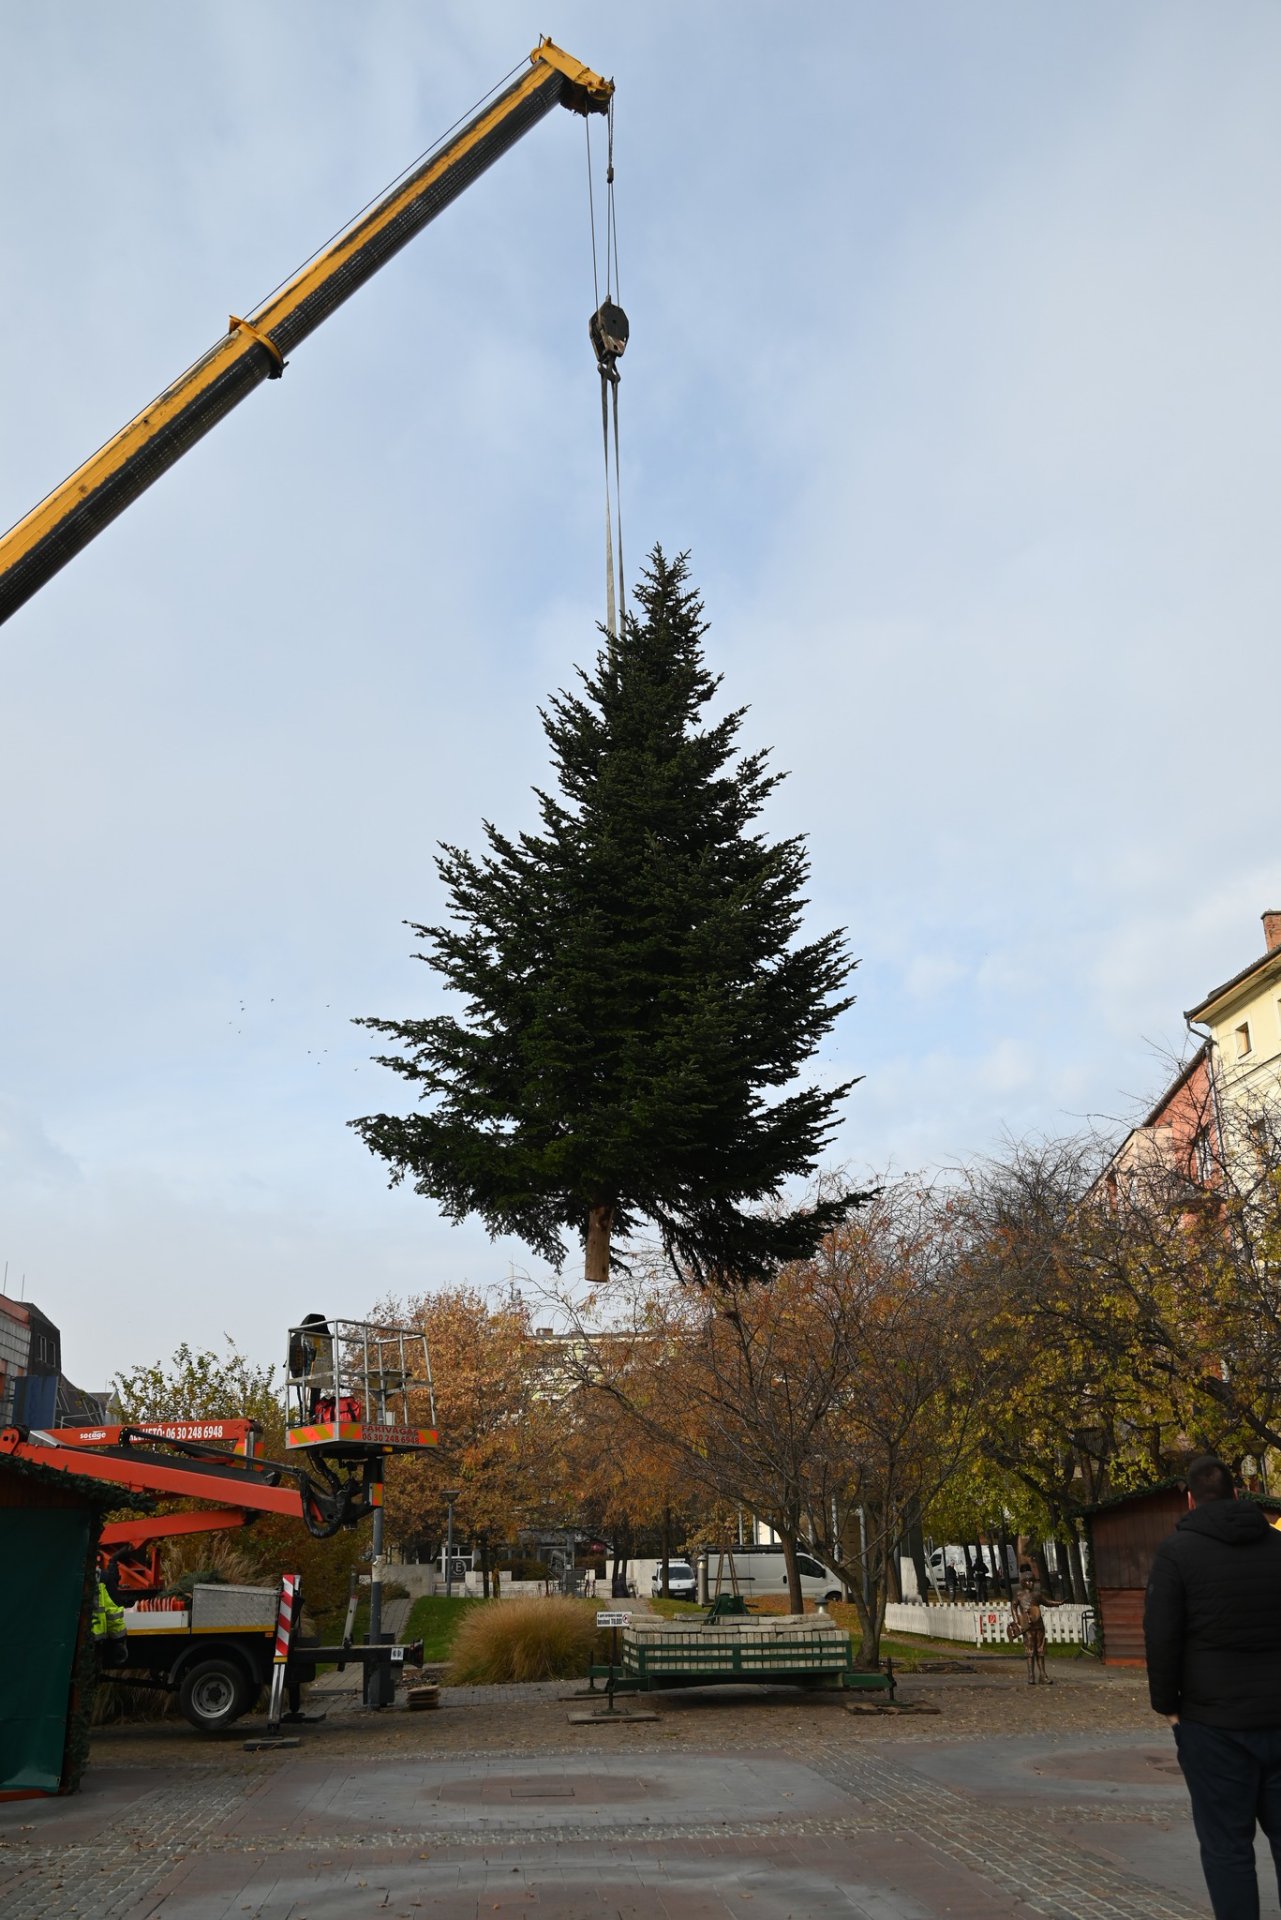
{"x": 613, "y": 1619}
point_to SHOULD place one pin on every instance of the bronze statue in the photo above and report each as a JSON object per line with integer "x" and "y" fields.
{"x": 1028, "y": 1625}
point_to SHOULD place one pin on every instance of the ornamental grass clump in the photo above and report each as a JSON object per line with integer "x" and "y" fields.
{"x": 535, "y": 1639}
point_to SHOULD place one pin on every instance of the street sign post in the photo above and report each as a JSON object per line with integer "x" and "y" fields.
{"x": 613, "y": 1619}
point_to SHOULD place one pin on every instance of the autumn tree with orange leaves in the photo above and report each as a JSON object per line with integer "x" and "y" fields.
{"x": 501, "y": 1431}
{"x": 1137, "y": 1301}
{"x": 831, "y": 1404}
{"x": 918, "y": 1376}
{"x": 630, "y": 1484}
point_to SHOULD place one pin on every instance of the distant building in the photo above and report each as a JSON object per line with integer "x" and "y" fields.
{"x": 1179, "y": 1135}
{"x": 1244, "y": 1041}
{"x": 1214, "y": 1106}
{"x": 563, "y": 1360}
{"x": 78, "y": 1407}
{"x": 30, "y": 1363}
{"x": 34, "y": 1391}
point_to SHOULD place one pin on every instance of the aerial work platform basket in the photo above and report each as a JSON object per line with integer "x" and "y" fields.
{"x": 357, "y": 1387}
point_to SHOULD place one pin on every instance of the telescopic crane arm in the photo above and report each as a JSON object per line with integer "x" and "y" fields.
{"x": 256, "y": 348}
{"x": 138, "y": 1461}
{"x": 324, "y": 1496}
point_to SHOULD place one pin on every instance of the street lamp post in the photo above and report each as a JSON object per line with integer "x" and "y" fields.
{"x": 376, "y": 1571}
{"x": 380, "y": 1688}
{"x": 451, "y": 1495}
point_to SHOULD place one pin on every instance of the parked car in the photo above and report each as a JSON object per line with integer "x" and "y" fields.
{"x": 681, "y": 1584}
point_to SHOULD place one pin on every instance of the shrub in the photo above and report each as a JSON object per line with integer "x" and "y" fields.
{"x": 530, "y": 1568}
{"x": 536, "y": 1639}
{"x": 204, "y": 1559}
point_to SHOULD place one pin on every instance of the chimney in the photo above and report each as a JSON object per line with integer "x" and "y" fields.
{"x": 1272, "y": 929}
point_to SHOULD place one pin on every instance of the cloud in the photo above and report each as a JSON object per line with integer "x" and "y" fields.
{"x": 958, "y": 379}
{"x": 930, "y": 975}
{"x": 28, "y": 1157}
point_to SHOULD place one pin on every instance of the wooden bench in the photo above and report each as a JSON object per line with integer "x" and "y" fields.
{"x": 871, "y": 1679}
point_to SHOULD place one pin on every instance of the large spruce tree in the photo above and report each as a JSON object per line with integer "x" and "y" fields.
{"x": 638, "y": 1003}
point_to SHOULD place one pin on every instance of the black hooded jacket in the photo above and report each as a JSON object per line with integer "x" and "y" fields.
{"x": 1212, "y": 1621}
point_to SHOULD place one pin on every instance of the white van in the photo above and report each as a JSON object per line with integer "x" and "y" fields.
{"x": 764, "y": 1570}
{"x": 941, "y": 1559}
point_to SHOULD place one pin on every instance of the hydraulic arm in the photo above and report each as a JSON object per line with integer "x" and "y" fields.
{"x": 256, "y": 348}
{"x": 325, "y": 1495}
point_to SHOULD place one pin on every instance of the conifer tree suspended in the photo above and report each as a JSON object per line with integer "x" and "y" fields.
{"x": 638, "y": 1001}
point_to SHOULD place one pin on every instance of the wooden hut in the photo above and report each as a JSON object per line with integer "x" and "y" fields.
{"x": 49, "y": 1526}
{"x": 1124, "y": 1534}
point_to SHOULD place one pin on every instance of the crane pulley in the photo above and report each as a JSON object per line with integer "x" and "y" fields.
{"x": 608, "y": 331}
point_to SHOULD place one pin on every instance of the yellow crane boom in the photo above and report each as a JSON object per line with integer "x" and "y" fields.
{"x": 255, "y": 348}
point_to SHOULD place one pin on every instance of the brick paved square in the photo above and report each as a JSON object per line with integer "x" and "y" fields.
{"x": 734, "y": 1805}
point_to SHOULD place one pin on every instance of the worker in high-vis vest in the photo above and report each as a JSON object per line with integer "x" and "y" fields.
{"x": 108, "y": 1629}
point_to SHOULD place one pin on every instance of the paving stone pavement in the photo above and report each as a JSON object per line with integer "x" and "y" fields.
{"x": 395, "y": 1614}
{"x": 760, "y": 1807}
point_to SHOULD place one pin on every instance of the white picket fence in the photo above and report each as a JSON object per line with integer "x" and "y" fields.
{"x": 986, "y": 1625}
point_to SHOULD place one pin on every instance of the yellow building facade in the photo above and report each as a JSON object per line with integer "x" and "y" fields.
{"x": 1243, "y": 1017}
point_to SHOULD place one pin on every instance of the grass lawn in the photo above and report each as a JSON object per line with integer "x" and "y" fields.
{"x": 434, "y": 1619}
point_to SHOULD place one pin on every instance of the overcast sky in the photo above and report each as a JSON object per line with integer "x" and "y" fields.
{"x": 953, "y": 362}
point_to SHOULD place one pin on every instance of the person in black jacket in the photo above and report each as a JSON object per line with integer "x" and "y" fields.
{"x": 1212, "y": 1626}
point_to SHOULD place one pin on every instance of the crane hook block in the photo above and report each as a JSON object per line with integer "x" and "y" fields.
{"x": 608, "y": 331}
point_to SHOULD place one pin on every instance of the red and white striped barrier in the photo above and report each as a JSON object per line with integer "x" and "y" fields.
{"x": 289, "y": 1585}
{"x": 287, "y": 1616}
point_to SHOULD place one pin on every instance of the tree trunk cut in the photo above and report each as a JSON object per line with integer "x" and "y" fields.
{"x": 600, "y": 1221}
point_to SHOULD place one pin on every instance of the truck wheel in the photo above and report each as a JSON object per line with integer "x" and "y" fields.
{"x": 213, "y": 1693}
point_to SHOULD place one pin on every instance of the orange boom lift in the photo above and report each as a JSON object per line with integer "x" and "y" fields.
{"x": 355, "y": 1394}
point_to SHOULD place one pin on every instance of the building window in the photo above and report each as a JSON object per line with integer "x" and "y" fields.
{"x": 1203, "y": 1155}
{"x": 1243, "y": 1039}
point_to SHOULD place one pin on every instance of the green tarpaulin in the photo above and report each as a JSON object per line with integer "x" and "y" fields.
{"x": 43, "y": 1554}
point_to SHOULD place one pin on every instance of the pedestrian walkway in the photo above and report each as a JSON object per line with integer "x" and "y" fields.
{"x": 1064, "y": 1804}
{"x": 395, "y": 1615}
